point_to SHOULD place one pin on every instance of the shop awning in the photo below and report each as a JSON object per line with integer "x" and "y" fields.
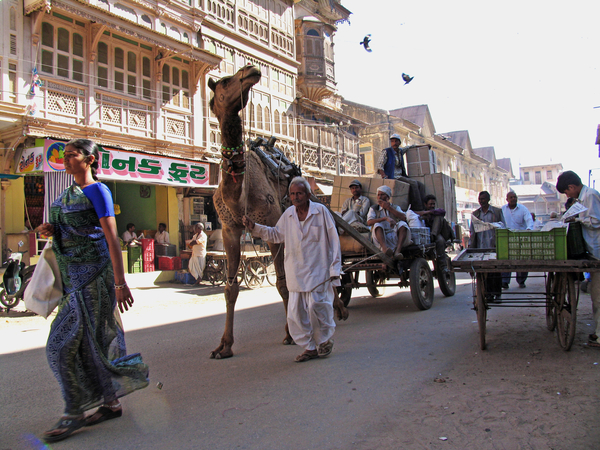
{"x": 9, "y": 176}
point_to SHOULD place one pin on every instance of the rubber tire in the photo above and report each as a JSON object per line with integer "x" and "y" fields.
{"x": 372, "y": 277}
{"x": 421, "y": 284}
{"x": 9, "y": 302}
{"x": 255, "y": 273}
{"x": 567, "y": 316}
{"x": 345, "y": 290}
{"x": 551, "y": 317}
{"x": 447, "y": 283}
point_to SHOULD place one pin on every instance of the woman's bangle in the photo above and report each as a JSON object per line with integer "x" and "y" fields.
{"x": 120, "y": 286}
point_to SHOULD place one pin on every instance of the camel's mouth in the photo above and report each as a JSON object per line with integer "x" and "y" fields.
{"x": 251, "y": 73}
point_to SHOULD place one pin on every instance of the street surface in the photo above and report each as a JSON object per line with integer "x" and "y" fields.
{"x": 398, "y": 378}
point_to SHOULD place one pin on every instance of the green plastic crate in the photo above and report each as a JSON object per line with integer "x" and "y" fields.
{"x": 135, "y": 263}
{"x": 529, "y": 244}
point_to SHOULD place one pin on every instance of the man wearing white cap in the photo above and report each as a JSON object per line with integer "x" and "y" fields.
{"x": 356, "y": 208}
{"x": 389, "y": 228}
{"x": 391, "y": 165}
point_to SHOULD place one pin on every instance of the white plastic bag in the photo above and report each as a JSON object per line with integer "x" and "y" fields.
{"x": 45, "y": 288}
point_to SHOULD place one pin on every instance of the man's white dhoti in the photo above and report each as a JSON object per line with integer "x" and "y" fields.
{"x": 391, "y": 234}
{"x": 196, "y": 266}
{"x": 310, "y": 316}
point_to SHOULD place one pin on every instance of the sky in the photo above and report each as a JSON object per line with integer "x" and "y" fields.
{"x": 520, "y": 76}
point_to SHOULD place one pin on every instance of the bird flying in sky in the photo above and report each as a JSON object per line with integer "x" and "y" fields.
{"x": 407, "y": 78}
{"x": 365, "y": 42}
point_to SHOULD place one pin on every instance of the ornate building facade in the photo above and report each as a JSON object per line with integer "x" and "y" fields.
{"x": 132, "y": 75}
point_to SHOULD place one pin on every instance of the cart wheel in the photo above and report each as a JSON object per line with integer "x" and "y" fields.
{"x": 481, "y": 309}
{"x": 421, "y": 284}
{"x": 446, "y": 282}
{"x": 550, "y": 302}
{"x": 255, "y": 273}
{"x": 567, "y": 314}
{"x": 214, "y": 272}
{"x": 271, "y": 274}
{"x": 375, "y": 278}
{"x": 345, "y": 290}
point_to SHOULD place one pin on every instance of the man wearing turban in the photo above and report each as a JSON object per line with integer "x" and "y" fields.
{"x": 388, "y": 224}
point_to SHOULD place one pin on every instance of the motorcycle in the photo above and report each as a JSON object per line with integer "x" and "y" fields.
{"x": 15, "y": 279}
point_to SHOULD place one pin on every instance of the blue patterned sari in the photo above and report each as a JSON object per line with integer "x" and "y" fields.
{"x": 86, "y": 346}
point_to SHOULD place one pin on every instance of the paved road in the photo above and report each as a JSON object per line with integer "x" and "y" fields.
{"x": 376, "y": 391}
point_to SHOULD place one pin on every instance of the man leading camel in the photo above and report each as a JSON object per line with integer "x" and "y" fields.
{"x": 312, "y": 266}
{"x": 388, "y": 222}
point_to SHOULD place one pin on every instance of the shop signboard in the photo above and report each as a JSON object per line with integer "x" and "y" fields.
{"x": 128, "y": 166}
{"x": 120, "y": 165}
{"x": 31, "y": 160}
{"x": 54, "y": 153}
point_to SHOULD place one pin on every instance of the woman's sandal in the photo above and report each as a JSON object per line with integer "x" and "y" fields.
{"x": 69, "y": 424}
{"x": 307, "y": 356}
{"x": 105, "y": 412}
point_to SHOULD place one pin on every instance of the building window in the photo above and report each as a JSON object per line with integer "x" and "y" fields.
{"x": 146, "y": 21}
{"x": 548, "y": 175}
{"x": 538, "y": 177}
{"x": 268, "y": 119}
{"x": 63, "y": 50}
{"x": 526, "y": 176}
{"x": 176, "y": 87}
{"x": 12, "y": 82}
{"x": 259, "y": 117}
{"x": 13, "y": 19}
{"x": 123, "y": 71}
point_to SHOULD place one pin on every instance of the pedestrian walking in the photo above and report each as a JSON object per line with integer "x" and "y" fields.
{"x": 86, "y": 346}
{"x": 312, "y": 268}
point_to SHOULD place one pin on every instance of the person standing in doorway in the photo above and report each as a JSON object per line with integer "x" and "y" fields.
{"x": 517, "y": 217}
{"x": 198, "y": 247}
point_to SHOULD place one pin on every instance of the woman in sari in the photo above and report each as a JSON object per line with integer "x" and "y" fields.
{"x": 86, "y": 346}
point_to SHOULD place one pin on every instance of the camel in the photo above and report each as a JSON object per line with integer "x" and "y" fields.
{"x": 243, "y": 174}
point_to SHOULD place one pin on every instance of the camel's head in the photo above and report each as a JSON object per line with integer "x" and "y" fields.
{"x": 231, "y": 93}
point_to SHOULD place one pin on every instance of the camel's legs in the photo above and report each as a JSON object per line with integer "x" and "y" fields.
{"x": 231, "y": 241}
{"x": 277, "y": 252}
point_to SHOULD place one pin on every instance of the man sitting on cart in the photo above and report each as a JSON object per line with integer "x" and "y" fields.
{"x": 388, "y": 224}
{"x": 440, "y": 229}
{"x": 356, "y": 208}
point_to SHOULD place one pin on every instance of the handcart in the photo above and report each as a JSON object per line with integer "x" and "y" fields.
{"x": 560, "y": 296}
{"x": 255, "y": 268}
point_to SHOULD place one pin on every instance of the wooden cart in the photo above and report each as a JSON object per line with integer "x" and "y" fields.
{"x": 413, "y": 271}
{"x": 560, "y": 297}
{"x": 255, "y": 268}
